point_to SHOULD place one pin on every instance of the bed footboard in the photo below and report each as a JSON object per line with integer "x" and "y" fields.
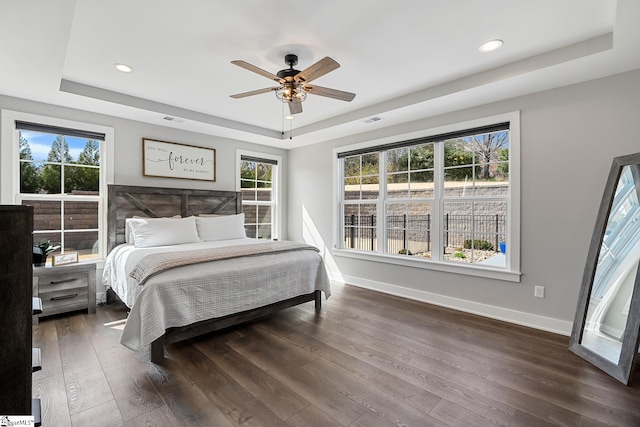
{"x": 173, "y": 335}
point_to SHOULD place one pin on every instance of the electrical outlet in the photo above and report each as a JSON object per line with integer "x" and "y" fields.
{"x": 538, "y": 292}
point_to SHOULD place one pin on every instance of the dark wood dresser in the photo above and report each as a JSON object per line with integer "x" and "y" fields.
{"x": 16, "y": 353}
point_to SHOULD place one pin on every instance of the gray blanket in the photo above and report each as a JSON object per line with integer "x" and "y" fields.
{"x": 158, "y": 262}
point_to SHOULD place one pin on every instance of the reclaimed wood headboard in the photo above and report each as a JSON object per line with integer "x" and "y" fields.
{"x": 125, "y": 201}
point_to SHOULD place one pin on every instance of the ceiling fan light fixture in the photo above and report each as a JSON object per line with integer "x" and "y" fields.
{"x": 291, "y": 93}
{"x": 491, "y": 45}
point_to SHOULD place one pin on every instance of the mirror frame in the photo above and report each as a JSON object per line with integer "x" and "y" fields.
{"x": 623, "y": 369}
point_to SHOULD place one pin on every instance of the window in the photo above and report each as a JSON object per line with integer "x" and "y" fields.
{"x": 60, "y": 171}
{"x": 443, "y": 199}
{"x": 258, "y": 181}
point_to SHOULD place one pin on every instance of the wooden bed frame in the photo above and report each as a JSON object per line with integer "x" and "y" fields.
{"x": 127, "y": 201}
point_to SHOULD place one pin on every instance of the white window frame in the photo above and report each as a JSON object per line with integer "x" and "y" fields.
{"x": 275, "y": 203}
{"x": 509, "y": 273}
{"x": 10, "y": 158}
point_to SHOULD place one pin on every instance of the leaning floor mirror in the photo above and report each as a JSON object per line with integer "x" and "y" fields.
{"x": 607, "y": 323}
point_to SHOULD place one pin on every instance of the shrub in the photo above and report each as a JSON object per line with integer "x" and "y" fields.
{"x": 459, "y": 255}
{"x": 404, "y": 252}
{"x": 481, "y": 245}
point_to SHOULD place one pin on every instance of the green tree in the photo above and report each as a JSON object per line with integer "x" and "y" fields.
{"x": 80, "y": 178}
{"x": 456, "y": 153}
{"x": 91, "y": 153}
{"x": 250, "y": 172}
{"x": 263, "y": 174}
{"x": 365, "y": 166}
{"x": 503, "y": 167}
{"x": 415, "y": 158}
{"x": 51, "y": 176}
{"x": 29, "y": 173}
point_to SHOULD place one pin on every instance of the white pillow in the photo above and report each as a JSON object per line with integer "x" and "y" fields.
{"x": 128, "y": 235}
{"x": 224, "y": 227}
{"x": 150, "y": 232}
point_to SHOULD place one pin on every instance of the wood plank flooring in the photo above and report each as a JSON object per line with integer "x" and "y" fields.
{"x": 367, "y": 359}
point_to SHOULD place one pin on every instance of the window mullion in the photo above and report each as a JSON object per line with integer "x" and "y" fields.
{"x": 62, "y": 225}
{"x": 381, "y": 226}
{"x": 62, "y": 168}
{"x": 437, "y": 226}
{"x": 275, "y": 231}
{"x": 339, "y": 242}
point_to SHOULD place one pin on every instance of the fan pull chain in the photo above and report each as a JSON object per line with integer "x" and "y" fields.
{"x": 282, "y": 103}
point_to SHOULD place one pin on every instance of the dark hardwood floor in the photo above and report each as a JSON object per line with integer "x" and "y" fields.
{"x": 367, "y": 359}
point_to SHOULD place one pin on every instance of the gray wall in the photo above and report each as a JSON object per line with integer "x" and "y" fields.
{"x": 569, "y": 137}
{"x": 128, "y": 148}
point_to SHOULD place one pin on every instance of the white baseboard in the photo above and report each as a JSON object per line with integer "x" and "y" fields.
{"x": 548, "y": 324}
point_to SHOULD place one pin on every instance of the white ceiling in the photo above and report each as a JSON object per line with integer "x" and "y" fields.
{"x": 405, "y": 59}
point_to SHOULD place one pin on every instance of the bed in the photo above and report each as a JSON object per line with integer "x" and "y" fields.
{"x": 184, "y": 287}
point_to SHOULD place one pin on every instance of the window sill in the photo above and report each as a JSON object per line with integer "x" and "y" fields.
{"x": 476, "y": 270}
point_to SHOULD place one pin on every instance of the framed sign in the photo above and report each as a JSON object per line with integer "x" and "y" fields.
{"x": 65, "y": 258}
{"x": 173, "y": 160}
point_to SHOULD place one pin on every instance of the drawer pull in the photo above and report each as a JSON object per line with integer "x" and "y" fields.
{"x": 64, "y": 297}
{"x": 57, "y": 282}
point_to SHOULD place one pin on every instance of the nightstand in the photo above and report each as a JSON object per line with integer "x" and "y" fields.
{"x": 65, "y": 288}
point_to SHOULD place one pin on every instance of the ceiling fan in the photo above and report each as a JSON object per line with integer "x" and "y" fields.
{"x": 294, "y": 84}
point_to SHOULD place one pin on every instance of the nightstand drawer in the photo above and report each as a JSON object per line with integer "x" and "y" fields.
{"x": 53, "y": 282}
{"x": 63, "y": 300}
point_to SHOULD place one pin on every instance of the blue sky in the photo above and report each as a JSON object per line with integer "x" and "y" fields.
{"x": 40, "y": 144}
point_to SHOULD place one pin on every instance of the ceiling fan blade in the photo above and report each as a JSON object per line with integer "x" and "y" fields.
{"x": 330, "y": 93}
{"x": 255, "y": 92}
{"x": 295, "y": 107}
{"x": 319, "y": 69}
{"x": 257, "y": 70}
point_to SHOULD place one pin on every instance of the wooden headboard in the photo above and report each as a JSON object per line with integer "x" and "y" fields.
{"x": 125, "y": 201}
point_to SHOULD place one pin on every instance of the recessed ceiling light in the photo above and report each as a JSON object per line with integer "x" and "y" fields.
{"x": 123, "y": 67}
{"x": 491, "y": 45}
{"x": 289, "y": 117}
